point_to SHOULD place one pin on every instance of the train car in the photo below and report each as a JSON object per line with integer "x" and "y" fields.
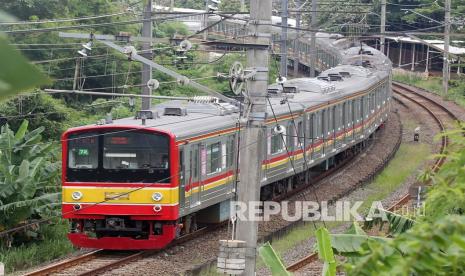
{"x": 140, "y": 182}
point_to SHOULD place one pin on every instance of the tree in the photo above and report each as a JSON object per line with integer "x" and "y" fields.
{"x": 29, "y": 176}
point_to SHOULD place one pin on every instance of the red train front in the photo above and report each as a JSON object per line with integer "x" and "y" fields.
{"x": 119, "y": 187}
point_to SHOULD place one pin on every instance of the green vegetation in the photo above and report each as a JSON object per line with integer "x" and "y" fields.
{"x": 29, "y": 178}
{"x": 397, "y": 171}
{"x": 272, "y": 260}
{"x": 50, "y": 244}
{"x": 434, "y": 84}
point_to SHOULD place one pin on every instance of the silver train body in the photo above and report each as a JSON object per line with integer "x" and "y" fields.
{"x": 324, "y": 116}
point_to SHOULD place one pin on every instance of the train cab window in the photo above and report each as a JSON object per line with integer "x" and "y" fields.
{"x": 133, "y": 151}
{"x": 214, "y": 158}
{"x": 83, "y": 151}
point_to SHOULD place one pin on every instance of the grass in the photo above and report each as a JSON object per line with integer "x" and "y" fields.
{"x": 434, "y": 85}
{"x": 53, "y": 245}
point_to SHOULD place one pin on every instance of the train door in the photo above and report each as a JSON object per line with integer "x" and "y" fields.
{"x": 194, "y": 176}
{"x": 182, "y": 180}
{"x": 291, "y": 145}
{"x": 319, "y": 141}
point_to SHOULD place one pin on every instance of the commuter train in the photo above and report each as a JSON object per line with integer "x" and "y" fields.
{"x": 140, "y": 182}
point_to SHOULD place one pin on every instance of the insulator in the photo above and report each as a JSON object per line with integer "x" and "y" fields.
{"x": 205, "y": 99}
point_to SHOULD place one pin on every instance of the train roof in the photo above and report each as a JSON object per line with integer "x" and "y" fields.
{"x": 186, "y": 119}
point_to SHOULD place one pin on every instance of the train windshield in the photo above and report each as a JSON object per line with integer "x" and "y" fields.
{"x": 118, "y": 156}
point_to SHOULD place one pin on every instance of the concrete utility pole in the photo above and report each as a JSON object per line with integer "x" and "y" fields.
{"x": 146, "y": 46}
{"x": 313, "y": 53}
{"x": 76, "y": 73}
{"x": 296, "y": 41}
{"x": 253, "y": 133}
{"x": 383, "y": 25}
{"x": 445, "y": 67}
{"x": 284, "y": 16}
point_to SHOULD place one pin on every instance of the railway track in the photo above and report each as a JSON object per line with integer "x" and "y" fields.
{"x": 100, "y": 261}
{"x": 444, "y": 119}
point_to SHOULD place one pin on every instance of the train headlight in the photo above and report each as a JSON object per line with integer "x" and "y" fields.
{"x": 77, "y": 195}
{"x": 157, "y": 196}
{"x": 157, "y": 208}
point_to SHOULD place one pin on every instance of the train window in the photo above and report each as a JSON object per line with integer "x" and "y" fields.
{"x": 300, "y": 133}
{"x": 277, "y": 145}
{"x": 330, "y": 121}
{"x": 214, "y": 158}
{"x": 340, "y": 122}
{"x": 321, "y": 123}
{"x": 230, "y": 150}
{"x": 292, "y": 136}
{"x": 133, "y": 151}
{"x": 83, "y": 151}
{"x": 181, "y": 168}
{"x": 333, "y": 118}
{"x": 314, "y": 127}
{"x": 373, "y": 100}
{"x": 194, "y": 161}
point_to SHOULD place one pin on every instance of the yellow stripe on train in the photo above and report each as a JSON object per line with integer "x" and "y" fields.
{"x": 120, "y": 195}
{"x": 212, "y": 185}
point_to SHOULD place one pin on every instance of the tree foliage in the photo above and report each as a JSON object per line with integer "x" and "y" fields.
{"x": 29, "y": 176}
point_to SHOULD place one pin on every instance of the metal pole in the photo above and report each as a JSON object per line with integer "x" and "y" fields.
{"x": 313, "y": 53}
{"x": 383, "y": 25}
{"x": 146, "y": 46}
{"x": 412, "y": 68}
{"x": 400, "y": 55}
{"x": 205, "y": 22}
{"x": 253, "y": 126}
{"x": 297, "y": 42}
{"x": 427, "y": 61}
{"x": 284, "y": 15}
{"x": 445, "y": 67}
{"x": 243, "y": 6}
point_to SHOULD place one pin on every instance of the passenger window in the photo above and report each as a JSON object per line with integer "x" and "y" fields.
{"x": 300, "y": 133}
{"x": 277, "y": 145}
{"x": 314, "y": 134}
{"x": 194, "y": 161}
{"x": 214, "y": 158}
{"x": 230, "y": 150}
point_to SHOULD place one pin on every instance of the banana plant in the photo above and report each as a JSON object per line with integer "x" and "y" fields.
{"x": 272, "y": 260}
{"x": 397, "y": 223}
{"x": 325, "y": 252}
{"x": 29, "y": 176}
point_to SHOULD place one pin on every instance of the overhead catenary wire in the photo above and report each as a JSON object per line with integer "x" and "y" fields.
{"x": 82, "y": 26}
{"x": 15, "y": 23}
